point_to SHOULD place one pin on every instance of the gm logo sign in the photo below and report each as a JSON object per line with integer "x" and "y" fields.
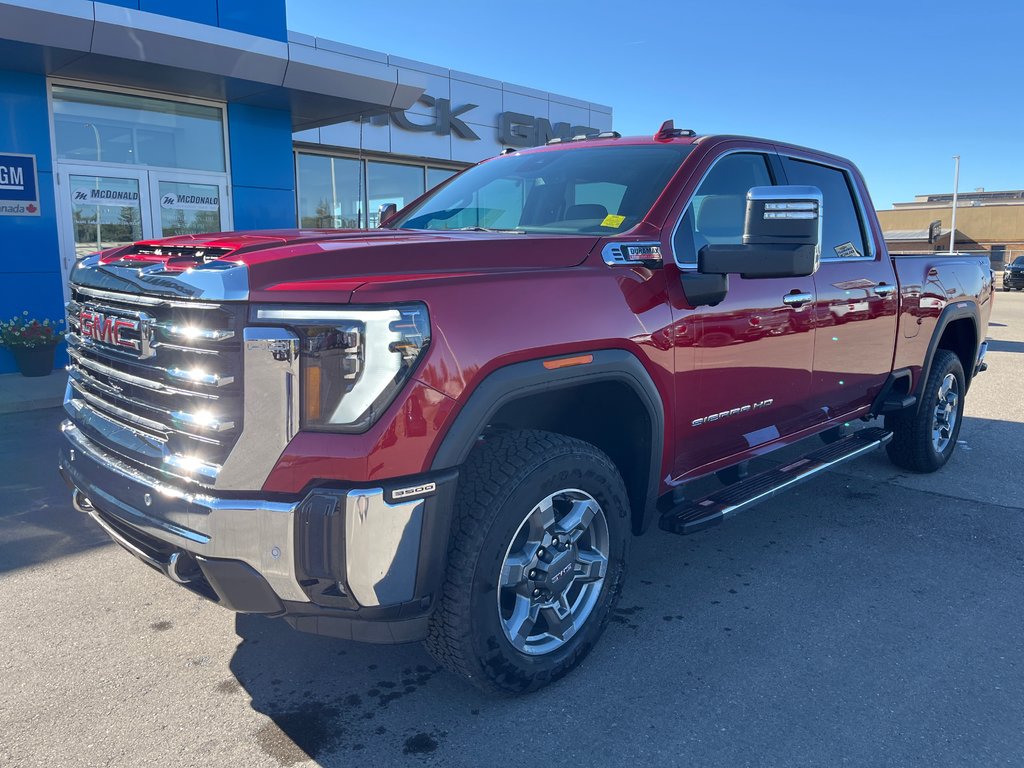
{"x": 19, "y": 185}
{"x": 12, "y": 177}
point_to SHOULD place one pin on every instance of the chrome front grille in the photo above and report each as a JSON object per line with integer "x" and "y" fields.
{"x": 157, "y": 380}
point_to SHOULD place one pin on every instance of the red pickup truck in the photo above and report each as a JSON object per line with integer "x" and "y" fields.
{"x": 449, "y": 428}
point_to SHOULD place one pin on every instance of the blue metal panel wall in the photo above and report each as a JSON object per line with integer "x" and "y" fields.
{"x": 265, "y": 18}
{"x": 202, "y": 11}
{"x": 262, "y": 169}
{"x": 30, "y": 273}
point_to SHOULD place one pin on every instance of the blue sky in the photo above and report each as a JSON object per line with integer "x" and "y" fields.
{"x": 898, "y": 87}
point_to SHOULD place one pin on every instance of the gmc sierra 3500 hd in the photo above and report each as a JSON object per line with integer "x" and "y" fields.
{"x": 448, "y": 429}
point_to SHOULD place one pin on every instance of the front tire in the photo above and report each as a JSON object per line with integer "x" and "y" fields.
{"x": 536, "y": 560}
{"x": 925, "y": 437}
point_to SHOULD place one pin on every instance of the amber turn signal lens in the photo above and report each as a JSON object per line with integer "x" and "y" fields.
{"x": 311, "y": 393}
{"x": 566, "y": 362}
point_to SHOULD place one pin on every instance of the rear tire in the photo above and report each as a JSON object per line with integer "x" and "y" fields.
{"x": 532, "y": 510}
{"x": 925, "y": 437}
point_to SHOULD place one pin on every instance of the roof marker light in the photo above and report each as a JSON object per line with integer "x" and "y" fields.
{"x": 668, "y": 131}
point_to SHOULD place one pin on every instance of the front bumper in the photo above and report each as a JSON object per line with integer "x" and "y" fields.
{"x": 1013, "y": 280}
{"x": 358, "y": 563}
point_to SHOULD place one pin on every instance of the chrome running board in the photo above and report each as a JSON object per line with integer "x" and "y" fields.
{"x": 693, "y": 516}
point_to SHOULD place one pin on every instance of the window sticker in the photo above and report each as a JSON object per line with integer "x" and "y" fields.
{"x": 847, "y": 251}
{"x": 611, "y": 220}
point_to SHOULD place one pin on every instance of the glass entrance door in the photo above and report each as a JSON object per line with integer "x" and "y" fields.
{"x": 102, "y": 208}
{"x": 187, "y": 204}
{"x": 106, "y": 207}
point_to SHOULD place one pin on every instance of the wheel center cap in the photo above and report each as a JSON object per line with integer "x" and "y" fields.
{"x": 559, "y": 572}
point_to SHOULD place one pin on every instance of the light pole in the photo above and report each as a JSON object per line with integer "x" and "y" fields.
{"x": 956, "y": 187}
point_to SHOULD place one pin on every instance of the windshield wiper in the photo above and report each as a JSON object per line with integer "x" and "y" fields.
{"x": 484, "y": 229}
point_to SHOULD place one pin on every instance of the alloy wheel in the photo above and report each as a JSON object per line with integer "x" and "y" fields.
{"x": 946, "y": 409}
{"x": 553, "y": 571}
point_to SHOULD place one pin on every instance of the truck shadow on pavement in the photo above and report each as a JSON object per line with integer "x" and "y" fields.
{"x": 786, "y": 584}
{"x": 328, "y": 697}
{"x": 37, "y": 521}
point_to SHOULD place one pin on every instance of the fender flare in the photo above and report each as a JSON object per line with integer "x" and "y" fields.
{"x": 953, "y": 311}
{"x": 519, "y": 380}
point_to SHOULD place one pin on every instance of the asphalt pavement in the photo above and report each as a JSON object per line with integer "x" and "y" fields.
{"x": 867, "y": 618}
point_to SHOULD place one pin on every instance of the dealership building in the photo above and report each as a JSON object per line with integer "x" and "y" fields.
{"x": 988, "y": 223}
{"x": 141, "y": 119}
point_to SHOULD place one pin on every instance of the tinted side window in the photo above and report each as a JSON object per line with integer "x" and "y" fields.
{"x": 716, "y": 212}
{"x": 842, "y": 235}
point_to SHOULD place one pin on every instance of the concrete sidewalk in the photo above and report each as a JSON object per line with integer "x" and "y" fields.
{"x": 19, "y": 393}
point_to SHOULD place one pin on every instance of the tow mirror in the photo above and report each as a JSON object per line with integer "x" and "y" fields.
{"x": 385, "y": 213}
{"x": 781, "y": 236}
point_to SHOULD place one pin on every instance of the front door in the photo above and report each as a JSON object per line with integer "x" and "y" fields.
{"x": 753, "y": 352}
{"x": 108, "y": 206}
{"x": 101, "y": 208}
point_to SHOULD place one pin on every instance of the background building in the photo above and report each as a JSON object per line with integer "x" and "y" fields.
{"x": 136, "y": 119}
{"x": 986, "y": 222}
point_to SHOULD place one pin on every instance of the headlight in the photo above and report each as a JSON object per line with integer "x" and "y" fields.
{"x": 352, "y": 360}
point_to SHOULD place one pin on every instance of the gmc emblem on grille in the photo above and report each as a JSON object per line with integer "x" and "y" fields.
{"x": 110, "y": 331}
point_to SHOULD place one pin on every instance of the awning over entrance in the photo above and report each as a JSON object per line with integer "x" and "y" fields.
{"x": 107, "y": 44}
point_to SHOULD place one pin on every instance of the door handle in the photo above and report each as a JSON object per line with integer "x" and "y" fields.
{"x": 884, "y": 290}
{"x": 795, "y": 299}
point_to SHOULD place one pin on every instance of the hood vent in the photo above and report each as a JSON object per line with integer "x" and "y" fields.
{"x": 173, "y": 256}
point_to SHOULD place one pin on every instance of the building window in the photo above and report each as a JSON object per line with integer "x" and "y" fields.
{"x": 346, "y": 193}
{"x": 436, "y": 175}
{"x": 392, "y": 183}
{"x": 330, "y": 192}
{"x": 124, "y": 129}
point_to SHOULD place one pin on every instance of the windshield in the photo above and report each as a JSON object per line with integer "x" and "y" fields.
{"x": 1019, "y": 261}
{"x": 594, "y": 190}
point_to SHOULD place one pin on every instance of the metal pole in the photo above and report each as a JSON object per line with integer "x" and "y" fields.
{"x": 956, "y": 188}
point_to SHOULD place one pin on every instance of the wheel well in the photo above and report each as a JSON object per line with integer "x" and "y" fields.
{"x": 607, "y": 414}
{"x": 960, "y": 338}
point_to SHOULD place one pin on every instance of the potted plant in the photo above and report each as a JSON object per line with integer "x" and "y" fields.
{"x": 32, "y": 342}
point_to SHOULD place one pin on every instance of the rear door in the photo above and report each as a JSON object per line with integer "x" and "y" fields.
{"x": 856, "y": 294}
{"x": 752, "y": 352}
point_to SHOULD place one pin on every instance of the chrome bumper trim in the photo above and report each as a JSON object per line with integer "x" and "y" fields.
{"x": 259, "y": 533}
{"x": 382, "y": 539}
{"x": 382, "y": 544}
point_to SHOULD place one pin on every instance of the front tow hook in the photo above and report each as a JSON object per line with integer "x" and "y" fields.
{"x": 179, "y": 566}
{"x": 81, "y": 503}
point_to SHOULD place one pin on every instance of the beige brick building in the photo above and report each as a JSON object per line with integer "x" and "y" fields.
{"x": 986, "y": 222}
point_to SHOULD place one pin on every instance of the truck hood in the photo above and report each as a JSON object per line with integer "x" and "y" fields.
{"x": 326, "y": 264}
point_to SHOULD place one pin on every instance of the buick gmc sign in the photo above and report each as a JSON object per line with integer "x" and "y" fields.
{"x": 515, "y": 129}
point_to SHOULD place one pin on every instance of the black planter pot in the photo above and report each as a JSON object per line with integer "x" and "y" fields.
{"x": 34, "y": 362}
